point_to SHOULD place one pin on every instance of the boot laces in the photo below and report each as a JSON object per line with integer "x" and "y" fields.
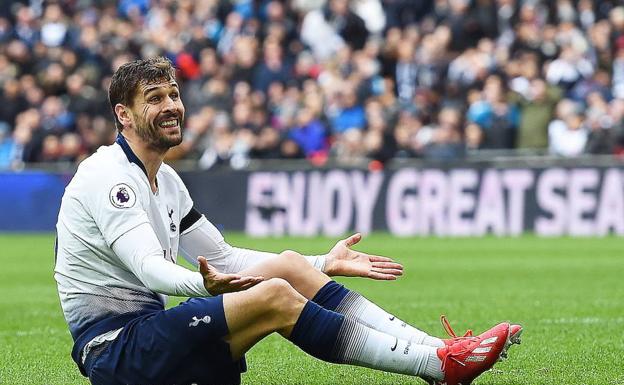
{"x": 457, "y": 354}
{"x": 464, "y": 341}
{"x": 449, "y": 330}
{"x": 454, "y": 354}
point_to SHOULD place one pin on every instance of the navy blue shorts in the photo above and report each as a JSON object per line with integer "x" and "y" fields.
{"x": 181, "y": 345}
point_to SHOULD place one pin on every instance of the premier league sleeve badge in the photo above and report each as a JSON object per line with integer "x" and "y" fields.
{"x": 122, "y": 196}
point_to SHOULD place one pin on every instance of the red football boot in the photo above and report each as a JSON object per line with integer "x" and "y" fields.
{"x": 468, "y": 357}
{"x": 515, "y": 332}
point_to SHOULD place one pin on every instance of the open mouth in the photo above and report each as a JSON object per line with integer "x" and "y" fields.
{"x": 169, "y": 123}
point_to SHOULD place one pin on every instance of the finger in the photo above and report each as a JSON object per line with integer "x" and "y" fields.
{"x": 227, "y": 279}
{"x": 377, "y": 258}
{"x": 381, "y": 276}
{"x": 388, "y": 271}
{"x": 250, "y": 284}
{"x": 204, "y": 267}
{"x": 352, "y": 240}
{"x": 241, "y": 282}
{"x": 245, "y": 287}
{"x": 388, "y": 265}
{"x": 250, "y": 277}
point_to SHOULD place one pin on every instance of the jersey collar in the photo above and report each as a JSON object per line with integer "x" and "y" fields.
{"x": 123, "y": 143}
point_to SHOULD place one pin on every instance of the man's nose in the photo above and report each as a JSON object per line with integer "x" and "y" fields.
{"x": 169, "y": 104}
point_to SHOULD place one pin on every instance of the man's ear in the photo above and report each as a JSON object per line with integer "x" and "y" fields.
{"x": 123, "y": 114}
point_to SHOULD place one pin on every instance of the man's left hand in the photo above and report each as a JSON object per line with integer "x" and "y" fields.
{"x": 342, "y": 260}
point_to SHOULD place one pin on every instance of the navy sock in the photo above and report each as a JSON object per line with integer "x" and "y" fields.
{"x": 331, "y": 295}
{"x": 316, "y": 332}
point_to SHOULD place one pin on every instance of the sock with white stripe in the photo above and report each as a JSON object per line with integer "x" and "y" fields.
{"x": 336, "y": 297}
{"x": 333, "y": 337}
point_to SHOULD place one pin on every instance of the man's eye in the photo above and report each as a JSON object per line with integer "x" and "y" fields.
{"x": 154, "y": 99}
{"x": 174, "y": 96}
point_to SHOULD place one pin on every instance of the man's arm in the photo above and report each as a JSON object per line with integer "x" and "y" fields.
{"x": 204, "y": 239}
{"x": 140, "y": 251}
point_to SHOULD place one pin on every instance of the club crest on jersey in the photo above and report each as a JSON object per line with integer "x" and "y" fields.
{"x": 195, "y": 321}
{"x": 172, "y": 225}
{"x": 122, "y": 196}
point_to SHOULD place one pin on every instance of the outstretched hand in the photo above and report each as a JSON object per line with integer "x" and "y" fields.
{"x": 344, "y": 261}
{"x": 218, "y": 283}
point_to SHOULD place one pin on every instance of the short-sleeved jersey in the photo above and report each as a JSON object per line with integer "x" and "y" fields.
{"x": 109, "y": 195}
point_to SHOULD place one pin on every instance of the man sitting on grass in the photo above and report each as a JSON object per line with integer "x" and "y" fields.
{"x": 126, "y": 215}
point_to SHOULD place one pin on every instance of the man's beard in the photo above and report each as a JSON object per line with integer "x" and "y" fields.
{"x": 155, "y": 137}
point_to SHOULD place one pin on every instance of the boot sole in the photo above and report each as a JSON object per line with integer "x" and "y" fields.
{"x": 515, "y": 339}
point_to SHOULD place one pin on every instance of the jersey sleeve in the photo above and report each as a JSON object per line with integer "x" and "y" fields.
{"x": 204, "y": 239}
{"x": 116, "y": 203}
{"x": 139, "y": 250}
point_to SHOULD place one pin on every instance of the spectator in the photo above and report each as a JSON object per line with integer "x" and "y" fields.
{"x": 348, "y": 147}
{"x": 568, "y": 69}
{"x": 268, "y": 144}
{"x": 402, "y": 13}
{"x": 13, "y": 149}
{"x": 406, "y": 71}
{"x": 431, "y": 61}
{"x": 350, "y": 114}
{"x": 618, "y": 74}
{"x": 466, "y": 29}
{"x": 349, "y": 25}
{"x": 606, "y": 134}
{"x": 79, "y": 95}
{"x": 379, "y": 140}
{"x": 494, "y": 116}
{"x": 71, "y": 148}
{"x": 443, "y": 141}
{"x": 245, "y": 48}
{"x": 371, "y": 12}
{"x": 11, "y": 102}
{"x": 54, "y": 26}
{"x": 309, "y": 134}
{"x": 7, "y": 147}
{"x": 598, "y": 83}
{"x": 568, "y": 133}
{"x": 273, "y": 68}
{"x": 536, "y": 112}
{"x": 320, "y": 35}
{"x": 471, "y": 66}
{"x": 406, "y": 135}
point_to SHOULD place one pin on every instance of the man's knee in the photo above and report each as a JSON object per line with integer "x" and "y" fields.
{"x": 294, "y": 261}
{"x": 280, "y": 298}
{"x": 276, "y": 290}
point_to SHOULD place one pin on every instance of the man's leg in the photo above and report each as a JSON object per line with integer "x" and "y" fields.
{"x": 318, "y": 287}
{"x": 274, "y": 305}
{"x": 201, "y": 340}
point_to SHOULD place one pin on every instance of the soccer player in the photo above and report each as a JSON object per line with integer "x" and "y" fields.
{"x": 124, "y": 218}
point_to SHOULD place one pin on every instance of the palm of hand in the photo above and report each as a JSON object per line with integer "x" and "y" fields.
{"x": 218, "y": 283}
{"x": 351, "y": 263}
{"x": 344, "y": 261}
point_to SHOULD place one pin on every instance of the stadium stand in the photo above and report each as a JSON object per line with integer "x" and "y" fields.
{"x": 318, "y": 80}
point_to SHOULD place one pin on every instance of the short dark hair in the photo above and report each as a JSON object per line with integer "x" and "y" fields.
{"x": 129, "y": 76}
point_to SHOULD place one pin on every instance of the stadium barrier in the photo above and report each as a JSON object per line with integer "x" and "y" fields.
{"x": 30, "y": 200}
{"x": 415, "y": 200}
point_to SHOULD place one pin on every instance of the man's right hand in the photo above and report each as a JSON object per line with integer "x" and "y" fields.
{"x": 218, "y": 283}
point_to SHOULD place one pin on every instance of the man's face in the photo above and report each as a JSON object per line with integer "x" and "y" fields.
{"x": 158, "y": 114}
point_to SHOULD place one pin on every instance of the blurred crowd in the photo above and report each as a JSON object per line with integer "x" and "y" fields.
{"x": 321, "y": 79}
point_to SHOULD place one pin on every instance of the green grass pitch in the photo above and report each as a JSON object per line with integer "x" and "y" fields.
{"x": 568, "y": 294}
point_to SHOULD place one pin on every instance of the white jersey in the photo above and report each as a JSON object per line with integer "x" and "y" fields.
{"x": 117, "y": 245}
{"x": 110, "y": 195}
